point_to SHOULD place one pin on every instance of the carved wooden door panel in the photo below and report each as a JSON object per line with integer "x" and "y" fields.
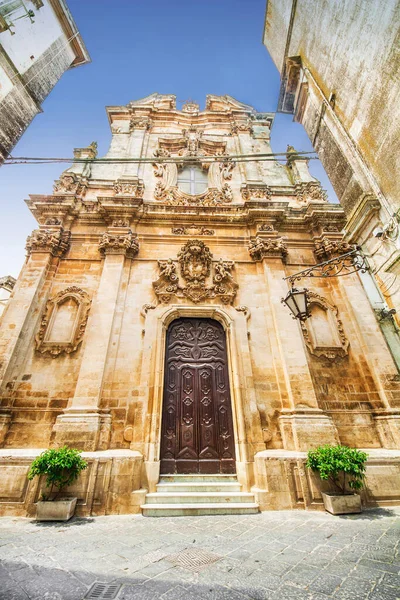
{"x": 197, "y": 427}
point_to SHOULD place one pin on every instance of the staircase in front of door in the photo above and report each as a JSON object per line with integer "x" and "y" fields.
{"x": 194, "y": 495}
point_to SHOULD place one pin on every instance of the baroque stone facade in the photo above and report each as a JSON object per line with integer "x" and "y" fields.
{"x": 135, "y": 257}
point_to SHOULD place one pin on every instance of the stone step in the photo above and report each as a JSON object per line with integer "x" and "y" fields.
{"x": 197, "y": 478}
{"x": 202, "y": 486}
{"x": 194, "y": 510}
{"x": 199, "y": 498}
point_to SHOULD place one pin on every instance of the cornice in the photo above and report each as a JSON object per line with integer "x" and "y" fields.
{"x": 363, "y": 213}
{"x": 71, "y": 32}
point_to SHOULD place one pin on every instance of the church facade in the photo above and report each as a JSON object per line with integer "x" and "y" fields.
{"x": 147, "y": 329}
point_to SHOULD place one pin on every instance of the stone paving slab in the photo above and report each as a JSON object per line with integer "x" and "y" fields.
{"x": 281, "y": 555}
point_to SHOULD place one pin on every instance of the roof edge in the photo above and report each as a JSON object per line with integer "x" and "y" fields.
{"x": 70, "y": 29}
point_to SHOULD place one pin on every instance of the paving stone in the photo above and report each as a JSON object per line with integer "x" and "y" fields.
{"x": 384, "y": 592}
{"x": 288, "y": 592}
{"x": 326, "y": 584}
{"x": 15, "y": 594}
{"x": 380, "y": 566}
{"x": 354, "y": 585}
{"x": 271, "y": 556}
{"x": 391, "y": 579}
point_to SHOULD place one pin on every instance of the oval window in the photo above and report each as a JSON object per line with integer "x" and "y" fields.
{"x": 192, "y": 180}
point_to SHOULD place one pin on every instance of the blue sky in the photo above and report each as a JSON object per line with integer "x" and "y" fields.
{"x": 137, "y": 47}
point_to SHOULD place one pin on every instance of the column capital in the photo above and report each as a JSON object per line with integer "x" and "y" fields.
{"x": 260, "y": 248}
{"x": 54, "y": 240}
{"x": 119, "y": 240}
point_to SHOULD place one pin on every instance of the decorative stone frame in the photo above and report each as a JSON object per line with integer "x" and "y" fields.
{"x": 193, "y": 146}
{"x": 338, "y": 349}
{"x": 246, "y": 418}
{"x": 43, "y": 344}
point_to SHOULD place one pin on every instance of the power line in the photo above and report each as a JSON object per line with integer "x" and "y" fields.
{"x": 271, "y": 156}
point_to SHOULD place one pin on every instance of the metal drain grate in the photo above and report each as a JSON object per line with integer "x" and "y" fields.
{"x": 103, "y": 591}
{"x": 193, "y": 559}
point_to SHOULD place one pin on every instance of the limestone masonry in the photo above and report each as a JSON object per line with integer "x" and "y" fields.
{"x": 147, "y": 329}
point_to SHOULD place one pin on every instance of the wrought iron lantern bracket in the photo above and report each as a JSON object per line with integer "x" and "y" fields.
{"x": 345, "y": 264}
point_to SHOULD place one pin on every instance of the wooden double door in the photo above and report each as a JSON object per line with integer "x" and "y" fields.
{"x": 197, "y": 427}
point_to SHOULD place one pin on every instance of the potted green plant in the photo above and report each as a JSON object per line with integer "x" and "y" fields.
{"x": 344, "y": 467}
{"x": 61, "y": 467}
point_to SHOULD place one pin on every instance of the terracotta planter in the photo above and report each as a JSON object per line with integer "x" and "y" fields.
{"x": 60, "y": 510}
{"x": 339, "y": 504}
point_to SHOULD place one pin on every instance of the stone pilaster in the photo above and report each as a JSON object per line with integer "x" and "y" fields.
{"x": 83, "y": 424}
{"x": 302, "y": 424}
{"x": 43, "y": 245}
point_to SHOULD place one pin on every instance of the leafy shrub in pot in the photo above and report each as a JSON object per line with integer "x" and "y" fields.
{"x": 345, "y": 468}
{"x": 61, "y": 467}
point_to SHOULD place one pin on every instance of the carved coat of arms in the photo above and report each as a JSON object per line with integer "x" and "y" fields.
{"x": 195, "y": 267}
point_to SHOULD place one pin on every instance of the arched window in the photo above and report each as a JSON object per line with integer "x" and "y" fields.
{"x": 192, "y": 180}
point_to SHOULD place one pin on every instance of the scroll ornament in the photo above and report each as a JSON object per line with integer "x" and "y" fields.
{"x": 195, "y": 269}
{"x": 192, "y": 230}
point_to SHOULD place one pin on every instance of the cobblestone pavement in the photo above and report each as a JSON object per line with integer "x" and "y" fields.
{"x": 276, "y": 555}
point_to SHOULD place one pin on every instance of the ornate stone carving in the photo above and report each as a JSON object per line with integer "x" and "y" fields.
{"x": 261, "y": 248}
{"x": 46, "y": 342}
{"x": 333, "y": 342}
{"x": 126, "y": 188}
{"x": 120, "y": 223}
{"x": 67, "y": 184}
{"x": 140, "y": 123}
{"x": 266, "y": 227}
{"x": 211, "y": 197}
{"x": 192, "y": 144}
{"x": 260, "y": 193}
{"x": 7, "y": 283}
{"x": 244, "y": 127}
{"x": 119, "y": 243}
{"x": 310, "y": 191}
{"x": 48, "y": 240}
{"x": 53, "y": 221}
{"x": 190, "y": 107}
{"x": 326, "y": 248}
{"x": 245, "y": 310}
{"x": 195, "y": 262}
{"x": 146, "y": 308}
{"x": 192, "y": 230}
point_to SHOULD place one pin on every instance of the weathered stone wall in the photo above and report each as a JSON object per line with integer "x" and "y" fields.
{"x": 351, "y": 50}
{"x": 340, "y": 78}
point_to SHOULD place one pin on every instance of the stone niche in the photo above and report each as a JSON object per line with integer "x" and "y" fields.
{"x": 63, "y": 323}
{"x": 323, "y": 333}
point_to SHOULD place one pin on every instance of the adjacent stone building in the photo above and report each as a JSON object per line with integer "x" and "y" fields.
{"x": 6, "y": 287}
{"x": 39, "y": 41}
{"x": 340, "y": 77}
{"x": 147, "y": 328}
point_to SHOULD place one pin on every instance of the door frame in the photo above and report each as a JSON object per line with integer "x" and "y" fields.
{"x": 246, "y": 419}
{"x": 197, "y": 405}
